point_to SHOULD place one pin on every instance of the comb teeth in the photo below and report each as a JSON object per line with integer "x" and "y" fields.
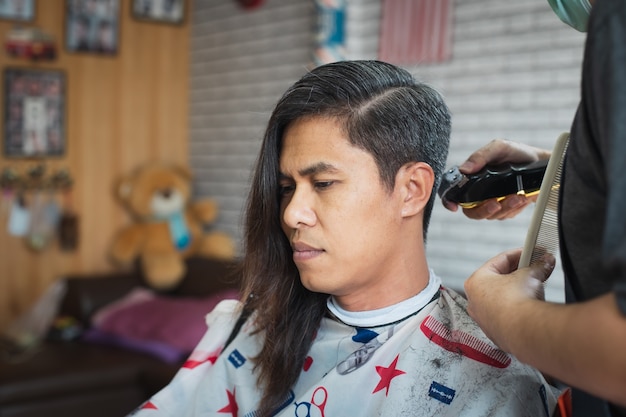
{"x": 543, "y": 233}
{"x": 548, "y": 234}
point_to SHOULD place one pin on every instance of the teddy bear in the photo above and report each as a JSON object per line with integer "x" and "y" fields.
{"x": 167, "y": 226}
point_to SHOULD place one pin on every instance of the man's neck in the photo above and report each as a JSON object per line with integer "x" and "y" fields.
{"x": 408, "y": 276}
{"x": 390, "y": 314}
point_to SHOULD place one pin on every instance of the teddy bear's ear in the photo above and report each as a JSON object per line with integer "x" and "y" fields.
{"x": 184, "y": 171}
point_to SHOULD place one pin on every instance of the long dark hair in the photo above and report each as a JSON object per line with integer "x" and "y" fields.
{"x": 384, "y": 111}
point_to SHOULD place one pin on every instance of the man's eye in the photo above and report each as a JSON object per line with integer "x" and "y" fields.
{"x": 321, "y": 185}
{"x": 284, "y": 190}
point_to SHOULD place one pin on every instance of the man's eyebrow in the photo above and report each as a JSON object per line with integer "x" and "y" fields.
{"x": 318, "y": 168}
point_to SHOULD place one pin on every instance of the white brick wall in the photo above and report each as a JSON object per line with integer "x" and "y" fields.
{"x": 514, "y": 73}
{"x": 241, "y": 62}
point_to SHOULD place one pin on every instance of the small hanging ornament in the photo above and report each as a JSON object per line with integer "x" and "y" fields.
{"x": 330, "y": 32}
{"x": 250, "y": 4}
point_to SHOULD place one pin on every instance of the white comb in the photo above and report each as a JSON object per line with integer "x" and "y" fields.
{"x": 543, "y": 233}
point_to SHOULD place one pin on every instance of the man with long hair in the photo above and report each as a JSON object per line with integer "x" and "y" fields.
{"x": 342, "y": 315}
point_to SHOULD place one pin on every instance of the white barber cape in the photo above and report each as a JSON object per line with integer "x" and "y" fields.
{"x": 435, "y": 362}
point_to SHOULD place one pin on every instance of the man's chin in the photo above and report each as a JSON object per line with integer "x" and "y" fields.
{"x": 312, "y": 284}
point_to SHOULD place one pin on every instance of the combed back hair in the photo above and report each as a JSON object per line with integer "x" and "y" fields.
{"x": 383, "y": 111}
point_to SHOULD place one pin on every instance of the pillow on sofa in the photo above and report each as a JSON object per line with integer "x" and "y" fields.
{"x": 166, "y": 327}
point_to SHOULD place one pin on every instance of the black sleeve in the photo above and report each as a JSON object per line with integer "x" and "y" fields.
{"x": 606, "y": 87}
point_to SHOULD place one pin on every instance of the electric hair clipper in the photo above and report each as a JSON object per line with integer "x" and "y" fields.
{"x": 468, "y": 191}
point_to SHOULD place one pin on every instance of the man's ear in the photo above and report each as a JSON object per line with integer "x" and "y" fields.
{"x": 416, "y": 180}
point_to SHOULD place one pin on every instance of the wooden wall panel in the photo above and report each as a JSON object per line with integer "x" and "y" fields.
{"x": 121, "y": 111}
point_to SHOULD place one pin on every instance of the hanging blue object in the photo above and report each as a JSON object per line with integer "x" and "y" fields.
{"x": 330, "y": 31}
{"x": 181, "y": 236}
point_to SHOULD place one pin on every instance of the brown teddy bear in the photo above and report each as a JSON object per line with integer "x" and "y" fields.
{"x": 167, "y": 226}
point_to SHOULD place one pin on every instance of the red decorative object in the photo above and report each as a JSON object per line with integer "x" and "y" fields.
{"x": 30, "y": 43}
{"x": 250, "y": 4}
{"x": 416, "y": 31}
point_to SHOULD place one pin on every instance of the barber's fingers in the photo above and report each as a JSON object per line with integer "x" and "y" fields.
{"x": 485, "y": 210}
{"x": 494, "y": 152}
{"x": 505, "y": 262}
{"x": 501, "y": 275}
{"x": 450, "y": 205}
{"x": 512, "y": 206}
{"x": 509, "y": 213}
{"x": 536, "y": 275}
{"x": 499, "y": 151}
{"x": 542, "y": 269}
{"x": 493, "y": 209}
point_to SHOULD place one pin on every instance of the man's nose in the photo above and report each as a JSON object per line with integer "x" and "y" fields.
{"x": 299, "y": 210}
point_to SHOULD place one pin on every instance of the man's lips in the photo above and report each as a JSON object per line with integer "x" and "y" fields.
{"x": 304, "y": 252}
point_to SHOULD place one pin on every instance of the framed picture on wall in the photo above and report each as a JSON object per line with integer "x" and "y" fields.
{"x": 34, "y": 112}
{"x": 160, "y": 11}
{"x": 92, "y": 26}
{"x": 21, "y": 10}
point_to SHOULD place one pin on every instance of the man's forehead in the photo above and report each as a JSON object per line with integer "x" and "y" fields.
{"x": 316, "y": 145}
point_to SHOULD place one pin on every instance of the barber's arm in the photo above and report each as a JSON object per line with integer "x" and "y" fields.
{"x": 580, "y": 344}
{"x": 496, "y": 152}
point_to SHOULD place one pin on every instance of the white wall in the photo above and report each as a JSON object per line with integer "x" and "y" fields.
{"x": 241, "y": 63}
{"x": 514, "y": 73}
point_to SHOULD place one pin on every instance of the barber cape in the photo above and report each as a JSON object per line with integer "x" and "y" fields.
{"x": 435, "y": 362}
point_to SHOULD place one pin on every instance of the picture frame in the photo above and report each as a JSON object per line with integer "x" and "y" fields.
{"x": 19, "y": 10}
{"x": 34, "y": 116}
{"x": 159, "y": 11}
{"x": 92, "y": 26}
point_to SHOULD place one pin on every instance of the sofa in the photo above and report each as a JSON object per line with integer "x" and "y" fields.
{"x": 67, "y": 374}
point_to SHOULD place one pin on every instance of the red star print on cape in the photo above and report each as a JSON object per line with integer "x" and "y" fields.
{"x": 149, "y": 406}
{"x": 386, "y": 375}
{"x": 232, "y": 406}
{"x": 198, "y": 358}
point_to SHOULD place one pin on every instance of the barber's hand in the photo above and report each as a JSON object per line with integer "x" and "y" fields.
{"x": 499, "y": 151}
{"x": 498, "y": 288}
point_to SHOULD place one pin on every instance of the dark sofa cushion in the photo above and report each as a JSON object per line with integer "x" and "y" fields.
{"x": 60, "y": 369}
{"x": 85, "y": 294}
{"x": 205, "y": 276}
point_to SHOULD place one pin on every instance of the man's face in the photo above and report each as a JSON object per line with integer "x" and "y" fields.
{"x": 337, "y": 214}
